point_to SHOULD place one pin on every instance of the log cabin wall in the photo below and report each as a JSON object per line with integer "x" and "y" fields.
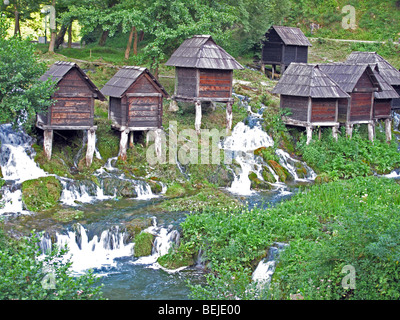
{"x": 382, "y": 108}
{"x": 114, "y": 110}
{"x": 75, "y": 102}
{"x": 298, "y": 107}
{"x": 323, "y": 110}
{"x": 362, "y": 99}
{"x": 186, "y": 82}
{"x": 396, "y": 102}
{"x": 215, "y": 83}
{"x": 273, "y": 48}
{"x": 343, "y": 105}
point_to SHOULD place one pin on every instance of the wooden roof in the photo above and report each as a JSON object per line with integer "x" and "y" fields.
{"x": 387, "y": 91}
{"x": 292, "y": 36}
{"x": 202, "y": 52}
{"x": 346, "y": 75}
{"x": 60, "y": 68}
{"x": 307, "y": 80}
{"x": 387, "y": 71}
{"x": 124, "y": 78}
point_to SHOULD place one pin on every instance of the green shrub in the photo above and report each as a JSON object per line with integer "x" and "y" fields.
{"x": 143, "y": 244}
{"x": 41, "y": 194}
{"x": 23, "y": 276}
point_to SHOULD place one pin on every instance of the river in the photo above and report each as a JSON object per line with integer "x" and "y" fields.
{"x": 98, "y": 239}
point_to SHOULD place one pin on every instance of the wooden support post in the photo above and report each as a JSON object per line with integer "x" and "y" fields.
{"x": 173, "y": 106}
{"x": 349, "y": 130}
{"x": 319, "y": 133}
{"x": 273, "y": 72}
{"x": 48, "y": 143}
{"x": 309, "y": 134}
{"x": 371, "y": 131}
{"x": 228, "y": 117}
{"x": 262, "y": 68}
{"x": 158, "y": 143}
{"x": 131, "y": 139}
{"x": 123, "y": 145}
{"x": 335, "y": 131}
{"x": 197, "y": 121}
{"x": 388, "y": 129}
{"x": 91, "y": 144}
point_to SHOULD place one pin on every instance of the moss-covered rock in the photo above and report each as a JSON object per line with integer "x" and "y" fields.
{"x": 143, "y": 244}
{"x": 257, "y": 183}
{"x": 267, "y": 175}
{"x": 279, "y": 170}
{"x": 68, "y": 215}
{"x": 41, "y": 194}
{"x": 137, "y": 225}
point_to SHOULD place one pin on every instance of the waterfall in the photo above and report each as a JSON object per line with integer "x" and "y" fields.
{"x": 241, "y": 144}
{"x": 165, "y": 238}
{"x": 95, "y": 253}
{"x": 262, "y": 275}
{"x": 17, "y": 165}
{"x": 291, "y": 165}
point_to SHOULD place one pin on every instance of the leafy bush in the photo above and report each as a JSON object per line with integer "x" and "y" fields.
{"x": 347, "y": 158}
{"x": 25, "y": 275}
{"x": 347, "y": 222}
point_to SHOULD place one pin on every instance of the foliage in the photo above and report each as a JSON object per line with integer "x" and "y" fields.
{"x": 22, "y": 94}
{"x": 327, "y": 227}
{"x": 41, "y": 194}
{"x": 25, "y": 274}
{"x": 346, "y": 158}
{"x": 143, "y": 244}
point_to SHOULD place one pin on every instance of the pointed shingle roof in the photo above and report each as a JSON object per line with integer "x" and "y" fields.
{"x": 202, "y": 52}
{"x": 347, "y": 74}
{"x": 292, "y": 36}
{"x": 124, "y": 78}
{"x": 60, "y": 68}
{"x": 307, "y": 80}
{"x": 387, "y": 71}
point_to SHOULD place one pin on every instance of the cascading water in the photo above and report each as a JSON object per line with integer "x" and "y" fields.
{"x": 17, "y": 165}
{"x": 265, "y": 269}
{"x": 241, "y": 144}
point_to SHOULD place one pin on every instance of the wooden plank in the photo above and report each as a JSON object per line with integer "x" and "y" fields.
{"x": 143, "y": 94}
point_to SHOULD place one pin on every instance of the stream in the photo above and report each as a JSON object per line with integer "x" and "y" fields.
{"x": 100, "y": 240}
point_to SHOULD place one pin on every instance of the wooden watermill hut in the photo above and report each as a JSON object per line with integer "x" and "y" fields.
{"x": 361, "y": 83}
{"x": 389, "y": 73}
{"x": 311, "y": 97}
{"x": 135, "y": 104}
{"x": 203, "y": 73}
{"x": 282, "y": 46}
{"x": 73, "y": 108}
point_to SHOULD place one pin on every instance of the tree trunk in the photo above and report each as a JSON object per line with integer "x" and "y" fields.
{"x": 70, "y": 36}
{"x": 135, "y": 42}
{"x": 17, "y": 29}
{"x": 60, "y": 36}
{"x": 103, "y": 38}
{"x": 53, "y": 34}
{"x": 129, "y": 45}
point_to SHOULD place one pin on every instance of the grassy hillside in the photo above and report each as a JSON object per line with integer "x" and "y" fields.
{"x": 375, "y": 20}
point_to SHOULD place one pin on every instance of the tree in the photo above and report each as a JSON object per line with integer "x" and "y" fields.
{"x": 20, "y": 10}
{"x": 22, "y": 94}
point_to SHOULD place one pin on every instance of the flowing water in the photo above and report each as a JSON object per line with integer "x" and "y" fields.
{"x": 100, "y": 241}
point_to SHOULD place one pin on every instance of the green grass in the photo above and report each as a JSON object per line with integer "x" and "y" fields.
{"x": 352, "y": 222}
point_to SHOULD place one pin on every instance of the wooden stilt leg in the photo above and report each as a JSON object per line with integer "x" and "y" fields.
{"x": 173, "y": 106}
{"x": 123, "y": 145}
{"x": 158, "y": 143}
{"x": 228, "y": 117}
{"x": 131, "y": 139}
{"x": 335, "y": 131}
{"x": 371, "y": 130}
{"x": 388, "y": 129}
{"x": 262, "y": 68}
{"x": 349, "y": 130}
{"x": 309, "y": 134}
{"x": 91, "y": 144}
{"x": 48, "y": 143}
{"x": 197, "y": 121}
